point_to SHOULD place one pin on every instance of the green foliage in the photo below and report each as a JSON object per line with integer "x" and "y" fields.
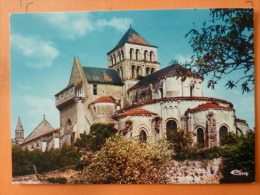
{"x": 57, "y": 180}
{"x": 225, "y": 45}
{"x": 97, "y": 136}
{"x": 25, "y": 160}
{"x": 240, "y": 156}
{"x": 229, "y": 139}
{"x": 21, "y": 161}
{"x": 208, "y": 153}
{"x": 129, "y": 162}
{"x": 181, "y": 142}
{"x": 238, "y": 153}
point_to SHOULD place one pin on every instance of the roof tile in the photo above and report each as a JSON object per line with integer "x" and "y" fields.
{"x": 136, "y": 112}
{"x": 104, "y": 99}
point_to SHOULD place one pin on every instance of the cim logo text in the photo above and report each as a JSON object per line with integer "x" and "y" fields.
{"x": 239, "y": 173}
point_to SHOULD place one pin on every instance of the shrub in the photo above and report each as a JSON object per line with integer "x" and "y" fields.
{"x": 181, "y": 143}
{"x": 240, "y": 156}
{"x": 97, "y": 136}
{"x": 229, "y": 139}
{"x": 25, "y": 160}
{"x": 129, "y": 162}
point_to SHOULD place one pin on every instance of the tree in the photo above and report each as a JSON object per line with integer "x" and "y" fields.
{"x": 181, "y": 142}
{"x": 225, "y": 45}
{"x": 97, "y": 136}
{"x": 239, "y": 156}
{"x": 25, "y": 160}
{"x": 128, "y": 161}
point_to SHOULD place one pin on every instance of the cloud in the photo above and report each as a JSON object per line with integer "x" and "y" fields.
{"x": 182, "y": 59}
{"x": 37, "y": 53}
{"x": 120, "y": 24}
{"x": 78, "y": 24}
{"x": 72, "y": 25}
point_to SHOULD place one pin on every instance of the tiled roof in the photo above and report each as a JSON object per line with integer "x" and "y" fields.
{"x": 46, "y": 133}
{"x": 102, "y": 75}
{"x": 169, "y": 71}
{"x": 105, "y": 99}
{"x": 181, "y": 98}
{"x": 131, "y": 36}
{"x": 207, "y": 106}
{"x": 136, "y": 112}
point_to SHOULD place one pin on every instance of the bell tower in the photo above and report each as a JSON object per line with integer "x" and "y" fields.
{"x": 133, "y": 57}
{"x": 19, "y": 132}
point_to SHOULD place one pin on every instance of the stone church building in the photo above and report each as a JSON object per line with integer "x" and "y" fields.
{"x": 142, "y": 100}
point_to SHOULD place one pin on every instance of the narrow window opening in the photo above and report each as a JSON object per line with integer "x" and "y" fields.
{"x": 200, "y": 138}
{"x": 142, "y": 136}
{"x": 222, "y": 133}
{"x": 94, "y": 89}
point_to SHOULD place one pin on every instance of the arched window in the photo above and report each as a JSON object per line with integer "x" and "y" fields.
{"x": 191, "y": 90}
{"x": 145, "y": 55}
{"x": 222, "y": 133}
{"x": 147, "y": 70}
{"x": 142, "y": 136}
{"x": 152, "y": 70}
{"x": 131, "y": 53}
{"x": 122, "y": 54}
{"x": 200, "y": 137}
{"x": 114, "y": 59}
{"x": 137, "y": 52}
{"x": 171, "y": 127}
{"x": 119, "y": 56}
{"x": 111, "y": 59}
{"x": 151, "y": 56}
{"x": 133, "y": 72}
{"x": 138, "y": 71}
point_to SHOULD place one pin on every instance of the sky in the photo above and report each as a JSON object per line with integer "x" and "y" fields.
{"x": 43, "y": 46}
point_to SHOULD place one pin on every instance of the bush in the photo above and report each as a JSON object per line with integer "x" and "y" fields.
{"x": 129, "y": 162}
{"x": 239, "y": 156}
{"x": 181, "y": 143}
{"x": 97, "y": 136}
{"x": 25, "y": 160}
{"x": 230, "y": 139}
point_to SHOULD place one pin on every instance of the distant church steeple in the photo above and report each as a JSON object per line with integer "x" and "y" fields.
{"x": 19, "y": 132}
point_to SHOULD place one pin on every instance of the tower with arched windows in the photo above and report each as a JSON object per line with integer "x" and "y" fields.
{"x": 133, "y": 57}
